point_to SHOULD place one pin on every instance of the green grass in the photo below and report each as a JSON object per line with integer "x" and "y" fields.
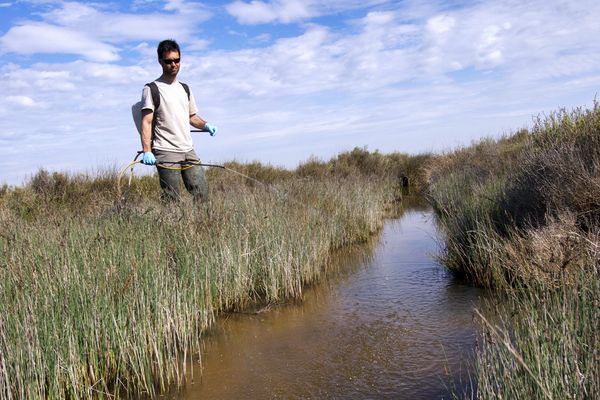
{"x": 543, "y": 344}
{"x": 100, "y": 296}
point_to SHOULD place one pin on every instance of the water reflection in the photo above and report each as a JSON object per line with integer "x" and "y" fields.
{"x": 391, "y": 324}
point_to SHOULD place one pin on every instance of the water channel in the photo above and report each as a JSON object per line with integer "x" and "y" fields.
{"x": 391, "y": 323}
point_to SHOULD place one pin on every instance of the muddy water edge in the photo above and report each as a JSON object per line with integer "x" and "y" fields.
{"x": 388, "y": 323}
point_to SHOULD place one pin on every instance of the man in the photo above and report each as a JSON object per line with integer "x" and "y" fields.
{"x": 165, "y": 131}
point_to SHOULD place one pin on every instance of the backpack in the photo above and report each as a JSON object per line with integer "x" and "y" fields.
{"x": 136, "y": 109}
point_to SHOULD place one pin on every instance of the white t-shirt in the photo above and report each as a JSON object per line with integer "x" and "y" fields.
{"x": 172, "y": 131}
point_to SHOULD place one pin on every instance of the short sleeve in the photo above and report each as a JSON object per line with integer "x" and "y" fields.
{"x": 193, "y": 108}
{"x": 147, "y": 102}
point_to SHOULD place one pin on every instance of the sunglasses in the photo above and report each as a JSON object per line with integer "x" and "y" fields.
{"x": 174, "y": 60}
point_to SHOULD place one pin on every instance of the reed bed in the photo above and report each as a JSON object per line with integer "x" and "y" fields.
{"x": 542, "y": 344}
{"x": 521, "y": 215}
{"x": 102, "y": 298}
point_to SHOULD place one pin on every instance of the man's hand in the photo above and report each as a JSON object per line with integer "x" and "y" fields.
{"x": 210, "y": 129}
{"x": 148, "y": 158}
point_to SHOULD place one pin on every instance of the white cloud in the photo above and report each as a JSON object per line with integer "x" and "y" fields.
{"x": 174, "y": 5}
{"x": 293, "y": 10}
{"x": 22, "y": 101}
{"x": 378, "y": 18}
{"x": 197, "y": 44}
{"x": 71, "y": 13}
{"x": 260, "y": 12}
{"x": 440, "y": 24}
{"x": 81, "y": 29}
{"x": 45, "y": 38}
{"x": 290, "y": 11}
{"x": 120, "y": 27}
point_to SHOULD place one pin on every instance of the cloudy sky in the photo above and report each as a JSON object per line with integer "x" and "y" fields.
{"x": 285, "y": 80}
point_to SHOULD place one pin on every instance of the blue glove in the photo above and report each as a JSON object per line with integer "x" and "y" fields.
{"x": 148, "y": 158}
{"x": 210, "y": 128}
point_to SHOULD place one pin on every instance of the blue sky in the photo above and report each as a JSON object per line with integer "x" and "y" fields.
{"x": 285, "y": 80}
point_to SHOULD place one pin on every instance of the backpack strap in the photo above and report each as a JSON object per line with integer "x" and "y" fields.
{"x": 186, "y": 88}
{"x": 155, "y": 96}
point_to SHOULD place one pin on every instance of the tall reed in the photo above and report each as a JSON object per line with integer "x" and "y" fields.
{"x": 521, "y": 215}
{"x": 542, "y": 343}
{"x": 101, "y": 298}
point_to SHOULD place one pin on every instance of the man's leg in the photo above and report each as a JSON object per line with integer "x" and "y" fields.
{"x": 195, "y": 182}
{"x": 169, "y": 183}
{"x": 168, "y": 164}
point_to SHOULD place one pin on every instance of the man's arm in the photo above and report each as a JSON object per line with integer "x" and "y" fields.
{"x": 197, "y": 122}
{"x": 147, "y": 130}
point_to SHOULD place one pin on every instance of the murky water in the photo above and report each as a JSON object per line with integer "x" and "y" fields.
{"x": 392, "y": 324}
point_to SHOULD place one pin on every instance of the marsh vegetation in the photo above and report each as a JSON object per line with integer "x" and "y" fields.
{"x": 521, "y": 215}
{"x": 103, "y": 294}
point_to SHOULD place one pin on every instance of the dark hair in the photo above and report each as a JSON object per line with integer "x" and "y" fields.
{"x": 166, "y": 46}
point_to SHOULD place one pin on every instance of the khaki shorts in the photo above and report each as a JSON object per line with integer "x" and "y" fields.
{"x": 172, "y": 159}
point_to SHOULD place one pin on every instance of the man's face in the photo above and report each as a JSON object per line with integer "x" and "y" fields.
{"x": 170, "y": 63}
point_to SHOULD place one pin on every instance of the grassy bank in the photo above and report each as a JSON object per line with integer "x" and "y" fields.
{"x": 522, "y": 215}
{"x": 102, "y": 296}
